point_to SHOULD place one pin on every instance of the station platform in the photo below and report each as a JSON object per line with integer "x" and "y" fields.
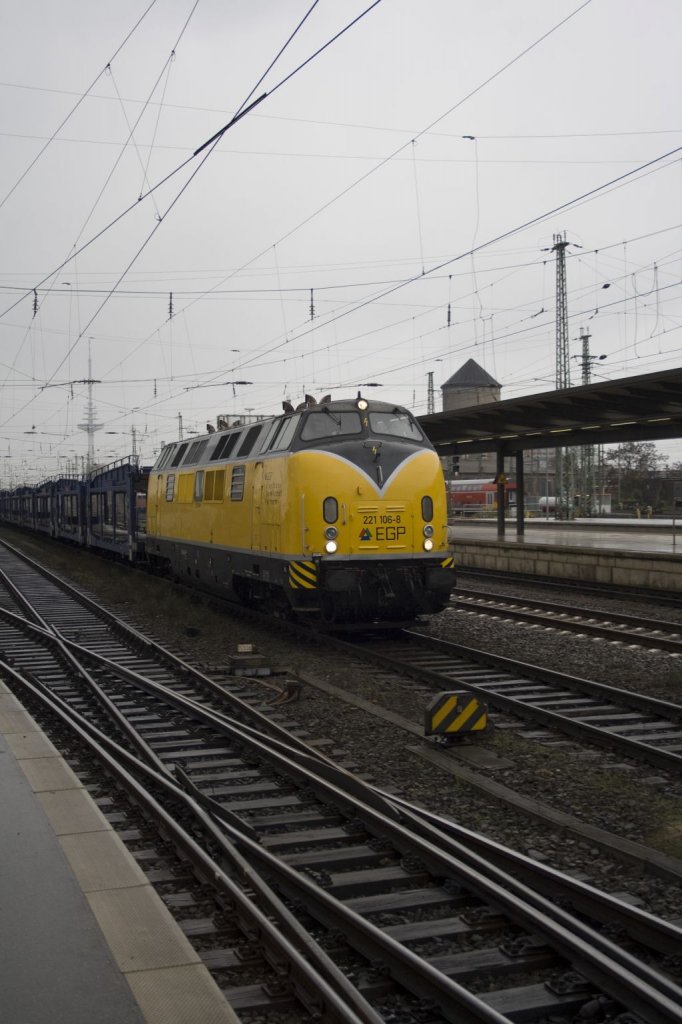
{"x": 644, "y": 553}
{"x": 84, "y": 938}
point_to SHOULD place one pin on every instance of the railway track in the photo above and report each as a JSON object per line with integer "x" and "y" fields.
{"x": 668, "y": 598}
{"x": 639, "y": 727}
{"x": 327, "y": 878}
{"x": 632, "y": 630}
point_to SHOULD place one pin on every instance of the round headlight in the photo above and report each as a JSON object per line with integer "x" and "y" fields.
{"x": 330, "y": 547}
{"x": 428, "y": 530}
{"x": 362, "y": 404}
{"x": 331, "y": 533}
{"x": 428, "y": 545}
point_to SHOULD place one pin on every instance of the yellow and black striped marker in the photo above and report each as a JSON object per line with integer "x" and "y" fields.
{"x": 302, "y": 575}
{"x": 451, "y": 714}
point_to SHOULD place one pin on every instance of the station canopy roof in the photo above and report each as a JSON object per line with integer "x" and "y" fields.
{"x": 645, "y": 408}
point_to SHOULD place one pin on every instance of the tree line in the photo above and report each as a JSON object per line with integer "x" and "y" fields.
{"x": 638, "y": 476}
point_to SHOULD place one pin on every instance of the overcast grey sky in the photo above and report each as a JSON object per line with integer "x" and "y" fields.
{"x": 426, "y": 131}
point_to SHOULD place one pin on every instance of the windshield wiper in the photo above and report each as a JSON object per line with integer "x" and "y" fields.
{"x": 330, "y": 413}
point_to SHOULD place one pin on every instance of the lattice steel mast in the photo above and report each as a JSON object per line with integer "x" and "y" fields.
{"x": 90, "y": 426}
{"x": 430, "y": 397}
{"x": 563, "y": 460}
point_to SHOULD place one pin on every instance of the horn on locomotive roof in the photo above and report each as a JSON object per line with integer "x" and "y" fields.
{"x": 310, "y": 401}
{"x": 327, "y": 398}
{"x": 287, "y": 406}
{"x": 210, "y": 428}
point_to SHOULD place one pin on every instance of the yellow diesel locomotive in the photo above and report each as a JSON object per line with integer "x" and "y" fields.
{"x": 335, "y": 511}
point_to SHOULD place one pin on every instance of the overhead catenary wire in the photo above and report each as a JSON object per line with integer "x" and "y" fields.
{"x": 251, "y": 332}
{"x": 76, "y": 105}
{"x": 108, "y": 71}
{"x": 125, "y": 293}
{"x": 210, "y": 142}
{"x": 209, "y": 147}
{"x": 214, "y": 139}
{"x": 510, "y": 63}
{"x": 584, "y": 197}
{"x": 359, "y": 127}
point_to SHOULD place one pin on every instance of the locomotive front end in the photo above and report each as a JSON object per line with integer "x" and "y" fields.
{"x": 373, "y": 516}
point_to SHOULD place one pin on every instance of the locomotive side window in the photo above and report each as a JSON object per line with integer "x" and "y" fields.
{"x": 224, "y": 447}
{"x": 190, "y": 457}
{"x": 194, "y": 454}
{"x": 237, "y": 483}
{"x": 185, "y": 487}
{"x": 214, "y": 485}
{"x": 178, "y": 455}
{"x": 397, "y": 424}
{"x": 219, "y": 448}
{"x": 285, "y": 434}
{"x": 330, "y": 424}
{"x": 170, "y": 486}
{"x": 165, "y": 456}
{"x": 269, "y": 434}
{"x": 249, "y": 441}
{"x": 199, "y": 485}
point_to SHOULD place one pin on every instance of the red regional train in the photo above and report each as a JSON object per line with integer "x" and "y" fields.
{"x": 469, "y": 497}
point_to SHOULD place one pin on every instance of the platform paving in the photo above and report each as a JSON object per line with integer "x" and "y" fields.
{"x": 655, "y": 535}
{"x": 84, "y": 939}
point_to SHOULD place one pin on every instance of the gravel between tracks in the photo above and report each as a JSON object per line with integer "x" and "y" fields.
{"x": 625, "y": 799}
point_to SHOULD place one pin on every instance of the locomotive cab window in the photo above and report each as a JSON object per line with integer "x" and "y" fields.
{"x": 396, "y": 424}
{"x": 330, "y": 424}
{"x": 269, "y": 434}
{"x": 284, "y": 435}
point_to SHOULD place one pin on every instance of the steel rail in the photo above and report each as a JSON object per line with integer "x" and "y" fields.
{"x": 315, "y": 970}
{"x": 669, "y": 598}
{"x": 240, "y": 727}
{"x": 657, "y": 933}
{"x": 575, "y": 942}
{"x": 454, "y": 1000}
{"x": 620, "y": 617}
{"x": 81, "y": 672}
{"x": 660, "y": 934}
{"x": 534, "y": 871}
{"x": 145, "y": 642}
{"x": 659, "y": 757}
{"x": 552, "y": 616}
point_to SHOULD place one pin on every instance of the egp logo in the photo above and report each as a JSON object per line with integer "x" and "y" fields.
{"x": 365, "y": 534}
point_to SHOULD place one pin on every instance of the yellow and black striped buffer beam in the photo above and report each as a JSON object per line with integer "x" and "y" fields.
{"x": 454, "y": 713}
{"x": 302, "y": 575}
{"x": 448, "y": 563}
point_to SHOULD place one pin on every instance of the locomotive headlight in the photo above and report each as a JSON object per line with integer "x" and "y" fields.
{"x": 331, "y": 533}
{"x": 330, "y": 547}
{"x": 428, "y": 530}
{"x": 428, "y": 545}
{"x": 362, "y": 404}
